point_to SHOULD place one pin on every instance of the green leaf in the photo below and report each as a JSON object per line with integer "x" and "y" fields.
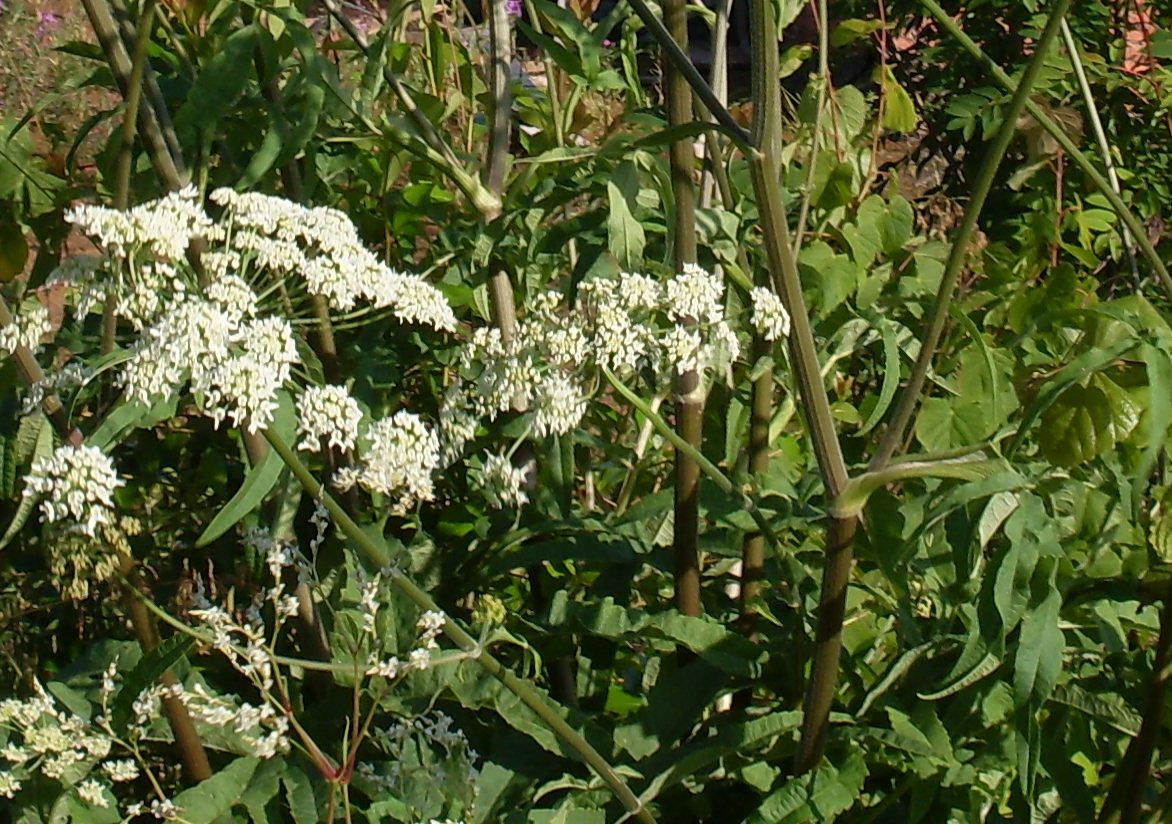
{"x": 42, "y": 449}
{"x": 891, "y": 374}
{"x": 1039, "y": 650}
{"x": 986, "y": 666}
{"x": 129, "y": 416}
{"x": 13, "y": 250}
{"x": 625, "y": 234}
{"x": 263, "y": 787}
{"x": 259, "y": 481}
{"x": 145, "y": 674}
{"x": 899, "y": 112}
{"x": 299, "y": 795}
{"x": 213, "y": 797}
{"x": 219, "y": 83}
{"x": 1078, "y": 427}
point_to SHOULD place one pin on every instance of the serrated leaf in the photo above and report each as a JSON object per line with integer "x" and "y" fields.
{"x": 1078, "y": 427}
{"x": 213, "y": 797}
{"x": 145, "y": 674}
{"x": 984, "y": 667}
{"x": 299, "y": 795}
{"x": 42, "y": 448}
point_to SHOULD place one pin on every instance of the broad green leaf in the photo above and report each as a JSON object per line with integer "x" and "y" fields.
{"x": 145, "y": 674}
{"x": 213, "y": 797}
{"x": 899, "y": 112}
{"x": 1108, "y": 707}
{"x": 259, "y": 481}
{"x": 1039, "y": 650}
{"x": 262, "y": 788}
{"x": 299, "y": 796}
{"x": 625, "y": 233}
{"x": 13, "y": 250}
{"x": 219, "y": 82}
{"x": 1078, "y": 427}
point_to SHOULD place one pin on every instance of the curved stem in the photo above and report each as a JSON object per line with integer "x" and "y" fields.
{"x": 909, "y": 397}
{"x": 379, "y": 556}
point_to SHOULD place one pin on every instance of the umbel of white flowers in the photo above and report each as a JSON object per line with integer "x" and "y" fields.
{"x": 216, "y": 338}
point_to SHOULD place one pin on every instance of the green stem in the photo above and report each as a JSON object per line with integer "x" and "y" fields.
{"x": 1084, "y": 85}
{"x": 106, "y": 29}
{"x": 722, "y": 481}
{"x": 1129, "y": 218}
{"x": 680, "y": 61}
{"x": 133, "y": 97}
{"x": 379, "y": 557}
{"x": 909, "y": 397}
{"x": 816, "y": 138}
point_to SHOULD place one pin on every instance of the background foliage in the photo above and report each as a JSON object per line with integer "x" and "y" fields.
{"x": 1005, "y": 641}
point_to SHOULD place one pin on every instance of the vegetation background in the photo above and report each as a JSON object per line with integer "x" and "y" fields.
{"x": 909, "y": 563}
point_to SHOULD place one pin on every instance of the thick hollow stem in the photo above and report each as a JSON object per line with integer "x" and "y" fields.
{"x": 106, "y": 29}
{"x": 191, "y": 751}
{"x": 132, "y": 99}
{"x": 689, "y": 391}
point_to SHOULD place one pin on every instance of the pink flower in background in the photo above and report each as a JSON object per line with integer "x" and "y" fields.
{"x": 47, "y": 23}
{"x": 513, "y": 7}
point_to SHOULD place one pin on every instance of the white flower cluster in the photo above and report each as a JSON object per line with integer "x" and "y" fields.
{"x": 769, "y": 316}
{"x": 399, "y": 460}
{"x": 430, "y": 625}
{"x": 260, "y": 731}
{"x": 672, "y": 328}
{"x": 55, "y": 743}
{"x": 75, "y": 483}
{"x": 323, "y": 246}
{"x": 235, "y": 364}
{"x": 162, "y": 228}
{"x": 69, "y": 377}
{"x": 26, "y": 330}
{"x": 502, "y": 483}
{"x": 539, "y": 368}
{"x": 629, "y": 325}
{"x": 214, "y": 337}
{"x": 329, "y": 414}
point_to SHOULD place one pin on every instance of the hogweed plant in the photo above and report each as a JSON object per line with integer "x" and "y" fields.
{"x": 222, "y": 334}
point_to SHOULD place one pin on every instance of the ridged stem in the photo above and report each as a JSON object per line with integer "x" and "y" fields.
{"x": 689, "y": 400}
